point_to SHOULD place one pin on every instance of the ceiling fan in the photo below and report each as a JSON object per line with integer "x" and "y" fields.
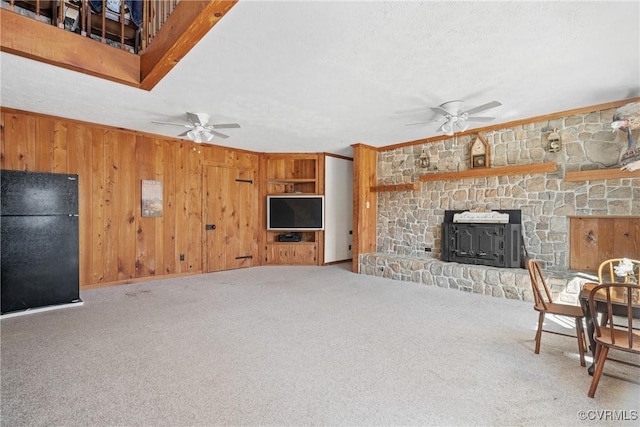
{"x": 455, "y": 117}
{"x": 200, "y": 129}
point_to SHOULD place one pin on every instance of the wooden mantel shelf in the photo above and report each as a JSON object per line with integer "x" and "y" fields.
{"x": 596, "y": 174}
{"x": 487, "y": 172}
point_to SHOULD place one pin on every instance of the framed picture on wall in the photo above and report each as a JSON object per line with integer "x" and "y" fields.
{"x": 151, "y": 199}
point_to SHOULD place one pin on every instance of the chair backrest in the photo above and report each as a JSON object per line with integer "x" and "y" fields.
{"x": 607, "y": 274}
{"x": 621, "y": 299}
{"x": 541, "y": 294}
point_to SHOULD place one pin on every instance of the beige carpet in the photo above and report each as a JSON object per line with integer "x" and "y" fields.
{"x": 297, "y": 346}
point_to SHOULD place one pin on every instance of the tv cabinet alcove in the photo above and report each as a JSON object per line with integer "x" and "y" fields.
{"x": 293, "y": 174}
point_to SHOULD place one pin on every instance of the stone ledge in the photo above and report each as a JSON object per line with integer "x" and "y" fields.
{"x": 512, "y": 283}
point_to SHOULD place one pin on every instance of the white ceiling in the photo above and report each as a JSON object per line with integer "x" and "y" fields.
{"x": 318, "y": 76}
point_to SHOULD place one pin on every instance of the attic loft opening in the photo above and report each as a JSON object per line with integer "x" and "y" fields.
{"x": 158, "y": 51}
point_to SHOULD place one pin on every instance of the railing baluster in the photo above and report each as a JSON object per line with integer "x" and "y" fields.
{"x": 154, "y": 14}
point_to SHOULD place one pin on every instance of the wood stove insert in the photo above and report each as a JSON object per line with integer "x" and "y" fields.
{"x": 496, "y": 244}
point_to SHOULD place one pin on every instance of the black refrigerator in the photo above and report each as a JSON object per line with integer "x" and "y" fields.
{"x": 39, "y": 240}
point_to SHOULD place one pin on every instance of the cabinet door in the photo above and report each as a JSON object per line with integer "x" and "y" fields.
{"x": 230, "y": 212}
{"x": 302, "y": 253}
{"x": 278, "y": 254}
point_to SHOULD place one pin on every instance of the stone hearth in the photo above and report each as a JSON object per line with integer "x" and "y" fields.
{"x": 512, "y": 283}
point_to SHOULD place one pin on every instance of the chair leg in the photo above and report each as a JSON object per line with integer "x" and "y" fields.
{"x": 601, "y": 356}
{"x": 580, "y": 334}
{"x": 539, "y": 331}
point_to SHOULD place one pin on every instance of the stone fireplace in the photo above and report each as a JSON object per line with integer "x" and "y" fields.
{"x": 409, "y": 222}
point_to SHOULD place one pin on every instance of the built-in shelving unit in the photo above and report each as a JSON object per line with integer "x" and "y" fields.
{"x": 592, "y": 175}
{"x": 488, "y": 172}
{"x": 294, "y": 174}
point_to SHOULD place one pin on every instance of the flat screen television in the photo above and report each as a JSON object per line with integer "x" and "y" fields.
{"x": 295, "y": 212}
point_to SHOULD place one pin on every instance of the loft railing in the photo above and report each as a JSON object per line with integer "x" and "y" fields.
{"x": 127, "y": 24}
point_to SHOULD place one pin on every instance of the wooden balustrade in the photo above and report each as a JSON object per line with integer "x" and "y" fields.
{"x": 109, "y": 26}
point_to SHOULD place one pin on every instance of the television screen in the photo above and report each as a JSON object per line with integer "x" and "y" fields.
{"x": 295, "y": 213}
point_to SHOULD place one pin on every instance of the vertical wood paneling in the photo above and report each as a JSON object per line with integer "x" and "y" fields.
{"x": 19, "y": 151}
{"x": 635, "y": 230}
{"x": 584, "y": 250}
{"x": 110, "y": 164}
{"x": 127, "y": 188}
{"x": 182, "y": 213}
{"x": 79, "y": 162}
{"x": 59, "y": 147}
{"x": 595, "y": 239}
{"x": 364, "y": 201}
{"x": 96, "y": 209}
{"x": 111, "y": 206}
{"x": 158, "y": 243}
{"x": 44, "y": 149}
{"x": 194, "y": 210}
{"x": 170, "y": 253}
{"x": 145, "y": 232}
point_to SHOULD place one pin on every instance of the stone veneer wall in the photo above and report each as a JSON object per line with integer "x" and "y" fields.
{"x": 409, "y": 221}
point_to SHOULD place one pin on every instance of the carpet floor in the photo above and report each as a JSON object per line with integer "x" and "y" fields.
{"x": 299, "y": 346}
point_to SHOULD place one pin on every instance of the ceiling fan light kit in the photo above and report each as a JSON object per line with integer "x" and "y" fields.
{"x": 200, "y": 129}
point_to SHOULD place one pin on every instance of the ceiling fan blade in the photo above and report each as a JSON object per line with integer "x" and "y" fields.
{"x": 421, "y": 123}
{"x": 483, "y": 107}
{"x": 184, "y": 133}
{"x": 440, "y": 110}
{"x": 219, "y": 135}
{"x": 198, "y": 119}
{"x": 225, "y": 126}
{"x": 174, "y": 124}
{"x": 480, "y": 119}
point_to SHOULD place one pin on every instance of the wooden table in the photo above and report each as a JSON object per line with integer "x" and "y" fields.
{"x": 619, "y": 309}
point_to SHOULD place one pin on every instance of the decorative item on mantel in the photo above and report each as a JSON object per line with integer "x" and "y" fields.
{"x": 627, "y": 118}
{"x": 479, "y": 153}
{"x": 423, "y": 161}
{"x": 555, "y": 142}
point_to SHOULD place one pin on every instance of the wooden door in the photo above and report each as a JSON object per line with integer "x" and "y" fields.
{"x": 595, "y": 239}
{"x": 230, "y": 218}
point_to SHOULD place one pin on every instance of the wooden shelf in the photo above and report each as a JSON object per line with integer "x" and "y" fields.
{"x": 395, "y": 187}
{"x": 487, "y": 172}
{"x": 592, "y": 175}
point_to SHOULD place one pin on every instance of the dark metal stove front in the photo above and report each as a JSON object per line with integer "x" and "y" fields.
{"x": 493, "y": 244}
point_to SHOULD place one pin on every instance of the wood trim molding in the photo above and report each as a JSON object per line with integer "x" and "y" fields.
{"x": 395, "y": 187}
{"x": 186, "y": 26}
{"x": 514, "y": 123}
{"x": 500, "y": 171}
{"x": 596, "y": 174}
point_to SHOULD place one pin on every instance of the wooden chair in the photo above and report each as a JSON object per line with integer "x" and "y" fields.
{"x": 543, "y": 304}
{"x": 619, "y": 337}
{"x": 606, "y": 273}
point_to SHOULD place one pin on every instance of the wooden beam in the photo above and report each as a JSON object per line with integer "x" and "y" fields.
{"x": 186, "y": 26}
{"x": 487, "y": 172}
{"x": 39, "y": 41}
{"x": 596, "y": 174}
{"x": 395, "y": 187}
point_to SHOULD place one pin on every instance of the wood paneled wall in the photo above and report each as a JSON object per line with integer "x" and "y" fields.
{"x": 117, "y": 245}
{"x": 365, "y": 202}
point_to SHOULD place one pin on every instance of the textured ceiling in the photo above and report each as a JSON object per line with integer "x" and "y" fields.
{"x": 314, "y": 76}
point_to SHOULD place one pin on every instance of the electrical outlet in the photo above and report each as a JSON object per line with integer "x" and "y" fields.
{"x": 181, "y": 257}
